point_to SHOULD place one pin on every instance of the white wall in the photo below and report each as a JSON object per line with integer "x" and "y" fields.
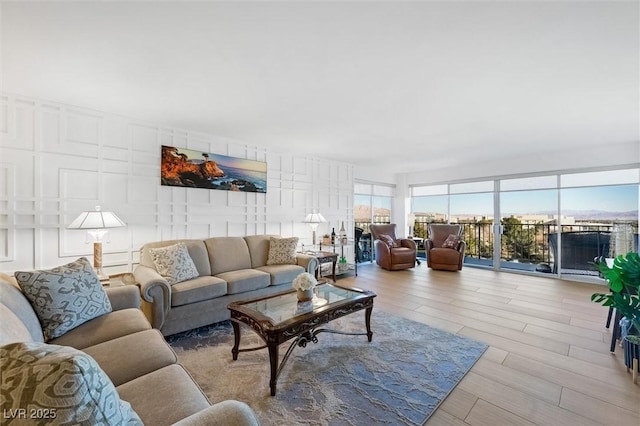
{"x": 58, "y": 160}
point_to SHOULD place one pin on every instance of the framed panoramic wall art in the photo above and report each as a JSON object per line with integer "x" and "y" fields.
{"x": 197, "y": 169}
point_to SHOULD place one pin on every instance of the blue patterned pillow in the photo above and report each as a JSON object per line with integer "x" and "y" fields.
{"x": 64, "y": 297}
{"x": 63, "y": 385}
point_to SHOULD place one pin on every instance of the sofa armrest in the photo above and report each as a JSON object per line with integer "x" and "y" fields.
{"x": 308, "y": 262}
{"x": 123, "y": 297}
{"x": 228, "y": 413}
{"x": 156, "y": 291}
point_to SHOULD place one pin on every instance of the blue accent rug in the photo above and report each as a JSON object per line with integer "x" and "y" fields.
{"x": 400, "y": 378}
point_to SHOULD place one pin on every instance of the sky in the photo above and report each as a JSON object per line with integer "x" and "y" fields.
{"x": 224, "y": 160}
{"x": 620, "y": 198}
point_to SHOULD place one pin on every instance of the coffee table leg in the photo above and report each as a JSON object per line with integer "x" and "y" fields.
{"x": 367, "y": 320}
{"x": 236, "y": 340}
{"x": 273, "y": 360}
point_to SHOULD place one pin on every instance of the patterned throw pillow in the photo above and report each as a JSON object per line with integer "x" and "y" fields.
{"x": 390, "y": 242}
{"x": 174, "y": 263}
{"x": 62, "y": 385}
{"x": 64, "y": 297}
{"x": 452, "y": 242}
{"x": 282, "y": 251}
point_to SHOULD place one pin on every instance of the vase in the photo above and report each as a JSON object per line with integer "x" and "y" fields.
{"x": 305, "y": 295}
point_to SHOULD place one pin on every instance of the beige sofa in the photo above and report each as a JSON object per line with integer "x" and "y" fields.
{"x": 135, "y": 357}
{"x": 229, "y": 268}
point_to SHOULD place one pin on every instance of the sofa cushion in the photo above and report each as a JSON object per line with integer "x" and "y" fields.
{"x": 282, "y": 274}
{"x": 174, "y": 263}
{"x": 282, "y": 251}
{"x": 245, "y": 280}
{"x": 111, "y": 326}
{"x": 64, "y": 297}
{"x": 228, "y": 254}
{"x": 197, "y": 289}
{"x": 129, "y": 357}
{"x": 62, "y": 381}
{"x": 452, "y": 242}
{"x": 258, "y": 249}
{"x": 14, "y": 302}
{"x": 176, "y": 396}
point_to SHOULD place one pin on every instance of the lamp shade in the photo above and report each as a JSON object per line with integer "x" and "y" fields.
{"x": 314, "y": 218}
{"x": 96, "y": 220}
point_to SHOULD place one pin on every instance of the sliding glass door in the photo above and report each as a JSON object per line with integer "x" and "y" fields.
{"x": 472, "y": 207}
{"x": 529, "y": 221}
{"x": 551, "y": 224}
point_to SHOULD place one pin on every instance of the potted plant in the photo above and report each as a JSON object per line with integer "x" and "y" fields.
{"x": 326, "y": 239}
{"x": 623, "y": 279}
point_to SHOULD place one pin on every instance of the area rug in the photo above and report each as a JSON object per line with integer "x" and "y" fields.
{"x": 399, "y": 378}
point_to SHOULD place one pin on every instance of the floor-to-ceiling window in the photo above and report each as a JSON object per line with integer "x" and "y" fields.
{"x": 600, "y": 218}
{"x": 372, "y": 204}
{"x": 471, "y": 206}
{"x": 550, "y": 224}
{"x": 529, "y": 218}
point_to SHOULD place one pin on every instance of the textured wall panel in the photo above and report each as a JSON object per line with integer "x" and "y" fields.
{"x": 59, "y": 160}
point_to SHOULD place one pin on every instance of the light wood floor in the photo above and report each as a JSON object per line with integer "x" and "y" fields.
{"x": 548, "y": 362}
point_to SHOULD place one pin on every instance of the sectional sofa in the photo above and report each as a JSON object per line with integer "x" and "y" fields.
{"x": 228, "y": 269}
{"x": 63, "y": 380}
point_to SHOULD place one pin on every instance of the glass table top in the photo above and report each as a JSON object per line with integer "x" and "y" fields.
{"x": 285, "y": 307}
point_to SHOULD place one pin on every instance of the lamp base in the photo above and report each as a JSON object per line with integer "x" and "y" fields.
{"x": 97, "y": 261}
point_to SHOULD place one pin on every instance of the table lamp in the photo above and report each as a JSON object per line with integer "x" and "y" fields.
{"x": 96, "y": 223}
{"x": 314, "y": 219}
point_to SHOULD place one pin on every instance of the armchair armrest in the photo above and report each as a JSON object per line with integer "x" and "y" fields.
{"x": 123, "y": 297}
{"x": 156, "y": 291}
{"x": 229, "y": 412}
{"x": 428, "y": 244}
{"x": 406, "y": 242}
{"x": 308, "y": 262}
{"x": 462, "y": 247}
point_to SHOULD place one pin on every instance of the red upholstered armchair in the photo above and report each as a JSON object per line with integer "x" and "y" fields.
{"x": 393, "y": 253}
{"x": 445, "y": 258}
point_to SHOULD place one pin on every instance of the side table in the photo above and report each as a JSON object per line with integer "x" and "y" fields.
{"x": 324, "y": 257}
{"x": 118, "y": 280}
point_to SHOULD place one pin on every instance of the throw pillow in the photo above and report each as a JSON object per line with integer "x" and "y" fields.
{"x": 282, "y": 251}
{"x": 390, "y": 242}
{"x": 64, "y": 297}
{"x": 60, "y": 384}
{"x": 173, "y": 263}
{"x": 452, "y": 242}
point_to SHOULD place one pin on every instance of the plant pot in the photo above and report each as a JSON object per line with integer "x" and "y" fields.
{"x": 631, "y": 345}
{"x": 305, "y": 295}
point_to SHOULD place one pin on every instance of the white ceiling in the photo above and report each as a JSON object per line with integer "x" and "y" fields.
{"x": 390, "y": 84}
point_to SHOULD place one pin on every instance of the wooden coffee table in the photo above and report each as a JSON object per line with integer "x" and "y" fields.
{"x": 280, "y": 317}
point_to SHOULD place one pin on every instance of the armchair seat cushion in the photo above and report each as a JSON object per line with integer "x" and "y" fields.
{"x": 403, "y": 255}
{"x": 197, "y": 289}
{"x": 282, "y": 274}
{"x": 444, "y": 255}
{"x": 245, "y": 280}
